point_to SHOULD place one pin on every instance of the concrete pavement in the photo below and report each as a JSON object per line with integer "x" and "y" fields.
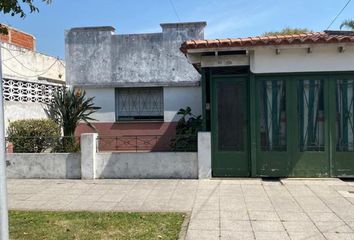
{"x": 220, "y": 209}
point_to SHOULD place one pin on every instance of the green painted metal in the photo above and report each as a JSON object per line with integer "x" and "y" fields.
{"x": 252, "y": 125}
{"x": 271, "y": 162}
{"x": 343, "y": 154}
{"x": 229, "y": 161}
{"x": 203, "y": 85}
{"x": 292, "y": 161}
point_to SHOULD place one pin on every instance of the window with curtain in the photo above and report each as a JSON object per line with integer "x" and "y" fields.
{"x": 139, "y": 104}
{"x": 345, "y": 115}
{"x": 310, "y": 115}
{"x": 272, "y": 106}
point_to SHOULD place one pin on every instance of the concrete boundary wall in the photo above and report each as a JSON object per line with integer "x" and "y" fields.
{"x": 147, "y": 165}
{"x": 43, "y": 165}
{"x": 90, "y": 164}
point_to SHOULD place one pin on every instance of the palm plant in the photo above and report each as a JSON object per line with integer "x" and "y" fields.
{"x": 348, "y": 24}
{"x": 69, "y": 107}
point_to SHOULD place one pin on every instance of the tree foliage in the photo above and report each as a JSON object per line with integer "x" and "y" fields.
{"x": 17, "y": 7}
{"x": 349, "y": 24}
{"x": 69, "y": 107}
{"x": 288, "y": 31}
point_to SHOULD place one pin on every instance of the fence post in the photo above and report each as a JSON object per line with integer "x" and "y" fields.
{"x": 88, "y": 155}
{"x": 204, "y": 155}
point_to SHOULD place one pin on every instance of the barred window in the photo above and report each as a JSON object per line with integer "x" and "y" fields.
{"x": 23, "y": 91}
{"x": 139, "y": 104}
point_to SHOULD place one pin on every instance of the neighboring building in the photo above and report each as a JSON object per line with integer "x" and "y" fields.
{"x": 278, "y": 106}
{"x": 29, "y": 77}
{"x": 139, "y": 80}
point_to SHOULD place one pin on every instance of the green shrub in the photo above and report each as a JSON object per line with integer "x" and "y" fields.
{"x": 33, "y": 135}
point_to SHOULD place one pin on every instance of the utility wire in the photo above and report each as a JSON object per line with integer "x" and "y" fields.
{"x": 175, "y": 10}
{"x": 38, "y": 72}
{"x": 340, "y": 12}
{"x": 37, "y": 75}
{"x": 33, "y": 70}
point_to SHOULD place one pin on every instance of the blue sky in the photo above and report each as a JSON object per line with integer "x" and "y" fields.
{"x": 226, "y": 18}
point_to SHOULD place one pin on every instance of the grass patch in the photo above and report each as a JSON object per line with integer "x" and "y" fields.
{"x": 94, "y": 225}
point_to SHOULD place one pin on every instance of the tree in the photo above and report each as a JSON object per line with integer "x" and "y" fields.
{"x": 288, "y": 31}
{"x": 69, "y": 107}
{"x": 348, "y": 24}
{"x": 16, "y": 7}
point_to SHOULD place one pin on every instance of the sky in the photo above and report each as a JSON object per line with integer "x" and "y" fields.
{"x": 225, "y": 18}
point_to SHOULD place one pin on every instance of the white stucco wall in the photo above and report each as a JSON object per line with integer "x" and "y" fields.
{"x": 322, "y": 58}
{"x": 176, "y": 98}
{"x": 23, "y": 110}
{"x": 104, "y": 98}
{"x": 21, "y": 63}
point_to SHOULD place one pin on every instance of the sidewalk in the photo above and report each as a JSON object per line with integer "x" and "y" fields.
{"x": 220, "y": 209}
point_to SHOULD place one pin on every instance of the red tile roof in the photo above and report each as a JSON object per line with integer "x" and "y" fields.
{"x": 306, "y": 38}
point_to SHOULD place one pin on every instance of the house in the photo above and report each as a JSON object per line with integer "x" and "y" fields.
{"x": 29, "y": 77}
{"x": 140, "y": 81}
{"x": 278, "y": 106}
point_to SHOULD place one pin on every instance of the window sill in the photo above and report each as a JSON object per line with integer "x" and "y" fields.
{"x": 139, "y": 121}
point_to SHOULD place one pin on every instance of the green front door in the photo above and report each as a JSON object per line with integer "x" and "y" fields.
{"x": 292, "y": 129}
{"x": 310, "y": 153}
{"x": 230, "y": 153}
{"x": 343, "y": 120}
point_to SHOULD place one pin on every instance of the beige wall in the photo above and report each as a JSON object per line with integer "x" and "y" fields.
{"x": 24, "y": 64}
{"x": 322, "y": 58}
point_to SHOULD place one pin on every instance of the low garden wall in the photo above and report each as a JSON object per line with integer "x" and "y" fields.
{"x": 43, "y": 165}
{"x": 92, "y": 164}
{"x": 147, "y": 165}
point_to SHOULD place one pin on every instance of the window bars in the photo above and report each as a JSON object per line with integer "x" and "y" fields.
{"x": 311, "y": 115}
{"x": 272, "y": 115}
{"x": 139, "y": 104}
{"x": 345, "y": 115}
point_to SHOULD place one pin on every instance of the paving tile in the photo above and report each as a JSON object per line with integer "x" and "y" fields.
{"x": 333, "y": 227}
{"x": 324, "y": 217}
{"x": 202, "y": 224}
{"x": 339, "y": 236}
{"x": 272, "y": 235}
{"x": 202, "y": 235}
{"x": 235, "y": 215}
{"x": 293, "y": 216}
{"x": 315, "y": 235}
{"x": 267, "y": 226}
{"x": 263, "y": 215}
{"x": 205, "y": 215}
{"x": 232, "y": 235}
{"x": 299, "y": 226}
{"x": 235, "y": 225}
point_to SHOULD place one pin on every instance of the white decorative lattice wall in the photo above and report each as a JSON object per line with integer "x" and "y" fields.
{"x": 22, "y": 91}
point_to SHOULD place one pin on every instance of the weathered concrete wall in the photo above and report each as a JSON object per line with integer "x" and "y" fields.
{"x": 24, "y": 64}
{"x": 88, "y": 155}
{"x": 97, "y": 57}
{"x": 147, "y": 165}
{"x": 43, "y": 165}
{"x": 204, "y": 155}
{"x": 22, "y": 110}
